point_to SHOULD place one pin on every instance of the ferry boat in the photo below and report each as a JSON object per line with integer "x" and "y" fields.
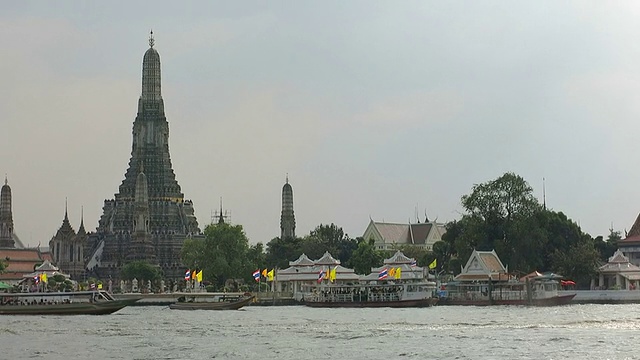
{"x": 211, "y": 301}
{"x": 373, "y": 295}
{"x": 96, "y": 302}
{"x": 485, "y": 280}
{"x": 537, "y": 291}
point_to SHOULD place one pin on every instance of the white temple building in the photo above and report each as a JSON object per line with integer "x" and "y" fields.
{"x": 618, "y": 273}
{"x": 409, "y": 271}
{"x": 302, "y": 275}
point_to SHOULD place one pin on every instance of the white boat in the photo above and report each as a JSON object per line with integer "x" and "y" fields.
{"x": 373, "y": 295}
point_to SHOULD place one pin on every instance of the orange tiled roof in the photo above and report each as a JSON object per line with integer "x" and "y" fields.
{"x": 20, "y": 254}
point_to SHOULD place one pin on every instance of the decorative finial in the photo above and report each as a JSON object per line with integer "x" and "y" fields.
{"x": 287, "y": 178}
{"x": 151, "y": 40}
{"x": 6, "y": 182}
{"x": 66, "y": 215}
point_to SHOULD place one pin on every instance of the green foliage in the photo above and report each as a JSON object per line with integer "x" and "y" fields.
{"x": 365, "y": 257}
{"x": 140, "y": 270}
{"x": 223, "y": 254}
{"x": 579, "y": 263}
{"x": 3, "y": 266}
{"x": 329, "y": 238}
{"x": 323, "y": 238}
{"x": 281, "y": 251}
{"x": 608, "y": 247}
{"x": 503, "y": 215}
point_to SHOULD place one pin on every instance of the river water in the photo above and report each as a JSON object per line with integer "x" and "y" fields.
{"x": 297, "y": 332}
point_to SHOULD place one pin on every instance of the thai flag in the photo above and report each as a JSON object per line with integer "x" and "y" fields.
{"x": 414, "y": 263}
{"x": 256, "y": 275}
{"x": 383, "y": 274}
{"x": 321, "y": 276}
{"x": 187, "y": 275}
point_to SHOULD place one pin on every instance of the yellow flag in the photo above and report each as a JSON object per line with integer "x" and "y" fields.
{"x": 398, "y": 273}
{"x": 270, "y": 275}
{"x": 43, "y": 277}
{"x": 264, "y": 272}
{"x": 433, "y": 264}
{"x": 392, "y": 272}
{"x": 332, "y": 274}
{"x": 199, "y": 276}
{"x": 99, "y": 286}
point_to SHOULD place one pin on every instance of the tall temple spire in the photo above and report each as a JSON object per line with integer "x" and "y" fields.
{"x": 151, "y": 97}
{"x": 287, "y": 217}
{"x": 81, "y": 229}
{"x": 6, "y": 216}
{"x": 148, "y": 218}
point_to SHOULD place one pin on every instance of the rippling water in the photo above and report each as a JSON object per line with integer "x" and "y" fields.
{"x": 296, "y": 332}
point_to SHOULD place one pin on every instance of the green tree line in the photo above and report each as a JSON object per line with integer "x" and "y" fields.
{"x": 502, "y": 215}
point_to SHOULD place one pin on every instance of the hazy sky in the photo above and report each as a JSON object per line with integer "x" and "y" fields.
{"x": 374, "y": 109}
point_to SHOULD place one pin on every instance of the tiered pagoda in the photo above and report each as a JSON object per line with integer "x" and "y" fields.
{"x": 287, "y": 217}
{"x": 149, "y": 218}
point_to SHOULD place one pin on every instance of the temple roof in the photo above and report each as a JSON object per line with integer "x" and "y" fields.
{"x": 47, "y": 266}
{"x": 482, "y": 265}
{"x": 398, "y": 258}
{"x": 407, "y": 272}
{"x": 19, "y": 262}
{"x": 65, "y": 231}
{"x": 303, "y": 260}
{"x": 415, "y": 234}
{"x": 618, "y": 263}
{"x": 327, "y": 259}
{"x": 635, "y": 229}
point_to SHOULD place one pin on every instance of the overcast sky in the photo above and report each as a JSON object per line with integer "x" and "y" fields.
{"x": 374, "y": 109}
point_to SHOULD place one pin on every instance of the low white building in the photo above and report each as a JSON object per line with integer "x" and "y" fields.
{"x": 409, "y": 271}
{"x": 617, "y": 273}
{"x": 303, "y": 275}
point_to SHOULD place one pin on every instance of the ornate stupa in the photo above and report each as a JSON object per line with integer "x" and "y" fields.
{"x": 6, "y": 217}
{"x": 148, "y": 219}
{"x": 287, "y": 218}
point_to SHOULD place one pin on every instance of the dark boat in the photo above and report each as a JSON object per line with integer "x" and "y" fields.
{"x": 205, "y": 301}
{"x": 61, "y": 303}
{"x": 402, "y": 295}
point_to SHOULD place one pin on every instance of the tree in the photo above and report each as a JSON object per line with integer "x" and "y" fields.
{"x": 580, "y": 263}
{"x": 330, "y": 238}
{"x": 281, "y": 251}
{"x": 221, "y": 255}
{"x": 503, "y": 215}
{"x": 140, "y": 270}
{"x": 365, "y": 256}
{"x": 256, "y": 256}
{"x": 500, "y": 213}
{"x": 608, "y": 247}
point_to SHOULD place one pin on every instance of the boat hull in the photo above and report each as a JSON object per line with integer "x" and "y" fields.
{"x": 373, "y": 304}
{"x": 67, "y": 309}
{"x": 551, "y": 301}
{"x": 213, "y": 305}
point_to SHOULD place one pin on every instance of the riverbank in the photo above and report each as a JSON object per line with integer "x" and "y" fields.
{"x": 270, "y": 299}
